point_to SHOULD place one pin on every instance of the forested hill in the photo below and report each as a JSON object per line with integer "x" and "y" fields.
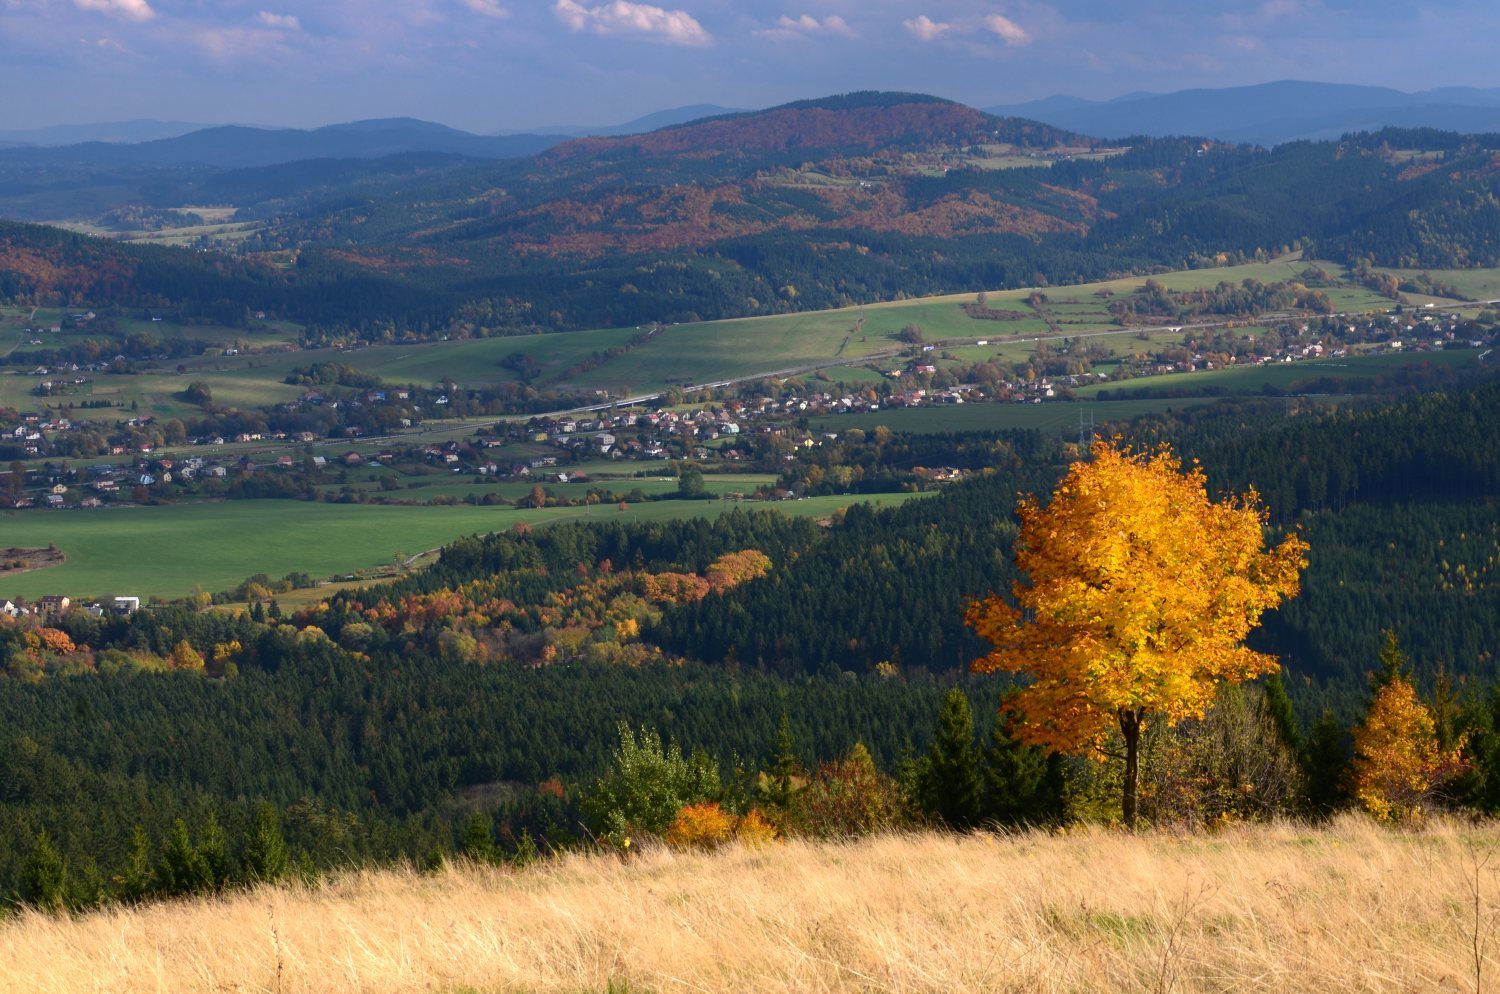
{"x": 868, "y": 122}
{"x": 818, "y": 204}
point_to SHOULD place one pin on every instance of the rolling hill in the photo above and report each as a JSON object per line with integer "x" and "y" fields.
{"x": 820, "y": 203}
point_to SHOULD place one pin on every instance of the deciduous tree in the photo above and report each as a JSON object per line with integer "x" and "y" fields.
{"x": 1137, "y": 592}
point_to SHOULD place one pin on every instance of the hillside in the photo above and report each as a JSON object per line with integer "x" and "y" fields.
{"x": 1252, "y": 908}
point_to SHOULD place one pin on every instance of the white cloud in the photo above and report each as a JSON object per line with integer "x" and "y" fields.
{"x": 618, "y": 17}
{"x": 281, "y": 22}
{"x": 489, "y": 8}
{"x": 130, "y": 10}
{"x": 1007, "y": 30}
{"x": 926, "y": 28}
{"x": 806, "y": 26}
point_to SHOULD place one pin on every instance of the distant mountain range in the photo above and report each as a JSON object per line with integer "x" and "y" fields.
{"x": 1268, "y": 114}
{"x": 649, "y": 122}
{"x": 115, "y": 131}
{"x": 239, "y": 147}
{"x": 232, "y": 146}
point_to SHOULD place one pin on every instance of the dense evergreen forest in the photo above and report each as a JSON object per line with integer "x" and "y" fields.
{"x": 376, "y": 724}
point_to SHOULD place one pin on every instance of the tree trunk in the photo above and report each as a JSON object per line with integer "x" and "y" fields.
{"x": 1130, "y": 728}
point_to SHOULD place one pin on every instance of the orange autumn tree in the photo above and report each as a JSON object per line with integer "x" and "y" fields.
{"x": 1137, "y": 593}
{"x": 1400, "y": 761}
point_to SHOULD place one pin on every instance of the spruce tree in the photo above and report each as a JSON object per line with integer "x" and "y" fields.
{"x": 265, "y": 849}
{"x": 44, "y": 880}
{"x": 213, "y": 854}
{"x": 478, "y": 840}
{"x": 138, "y": 878}
{"x": 526, "y": 850}
{"x": 1022, "y": 784}
{"x": 782, "y": 775}
{"x": 1279, "y": 706}
{"x": 1325, "y": 759}
{"x": 950, "y": 786}
{"x": 181, "y": 868}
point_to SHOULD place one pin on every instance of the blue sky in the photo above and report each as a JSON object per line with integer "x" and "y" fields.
{"x": 490, "y": 65}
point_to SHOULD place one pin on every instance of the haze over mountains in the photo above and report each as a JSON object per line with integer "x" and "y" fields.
{"x": 1269, "y": 113}
{"x": 232, "y": 146}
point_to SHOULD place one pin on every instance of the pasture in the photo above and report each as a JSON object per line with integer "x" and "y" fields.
{"x": 1290, "y": 376}
{"x": 172, "y": 550}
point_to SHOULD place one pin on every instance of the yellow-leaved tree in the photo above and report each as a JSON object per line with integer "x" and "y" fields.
{"x": 1400, "y": 761}
{"x": 1136, "y": 595}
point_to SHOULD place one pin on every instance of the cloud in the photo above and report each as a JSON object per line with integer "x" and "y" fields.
{"x": 129, "y": 10}
{"x": 281, "y": 22}
{"x": 806, "y": 26}
{"x": 1007, "y": 30}
{"x": 926, "y": 28}
{"x": 489, "y": 8}
{"x": 621, "y": 17}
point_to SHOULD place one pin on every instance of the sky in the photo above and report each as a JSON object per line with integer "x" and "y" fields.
{"x": 506, "y": 65}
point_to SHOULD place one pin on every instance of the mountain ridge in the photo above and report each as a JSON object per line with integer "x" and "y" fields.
{"x": 1267, "y": 114}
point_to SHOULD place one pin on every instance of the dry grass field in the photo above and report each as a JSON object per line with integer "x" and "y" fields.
{"x": 1287, "y": 908}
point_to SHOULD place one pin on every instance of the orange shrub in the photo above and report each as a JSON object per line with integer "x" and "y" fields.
{"x": 700, "y": 826}
{"x": 754, "y": 831}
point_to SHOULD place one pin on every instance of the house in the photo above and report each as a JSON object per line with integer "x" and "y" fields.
{"x": 53, "y": 605}
{"x": 125, "y": 605}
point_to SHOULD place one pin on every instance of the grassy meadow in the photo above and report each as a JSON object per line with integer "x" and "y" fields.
{"x": 172, "y": 550}
{"x": 1289, "y": 375}
{"x": 1347, "y": 908}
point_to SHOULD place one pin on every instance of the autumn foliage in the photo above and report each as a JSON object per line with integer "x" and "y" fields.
{"x": 1398, "y": 761}
{"x": 1138, "y": 592}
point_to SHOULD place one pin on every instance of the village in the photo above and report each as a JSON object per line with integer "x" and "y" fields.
{"x": 766, "y": 422}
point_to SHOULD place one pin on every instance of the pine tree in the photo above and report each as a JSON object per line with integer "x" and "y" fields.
{"x": 258, "y": 612}
{"x": 265, "y": 850}
{"x": 274, "y": 613}
{"x": 44, "y": 880}
{"x": 950, "y": 787}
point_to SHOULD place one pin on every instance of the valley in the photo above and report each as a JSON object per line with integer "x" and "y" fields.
{"x": 866, "y": 482}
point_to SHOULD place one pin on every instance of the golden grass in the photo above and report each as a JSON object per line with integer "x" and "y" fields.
{"x": 1285, "y": 909}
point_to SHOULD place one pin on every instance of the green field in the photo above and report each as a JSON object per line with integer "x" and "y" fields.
{"x": 1476, "y": 284}
{"x": 172, "y": 550}
{"x": 1287, "y": 375}
{"x": 1056, "y": 417}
